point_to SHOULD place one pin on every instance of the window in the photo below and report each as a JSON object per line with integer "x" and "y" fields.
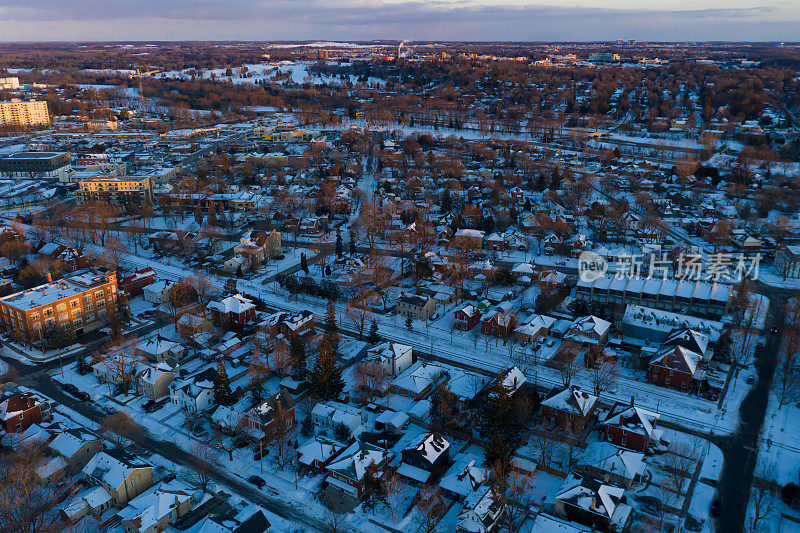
{"x": 74, "y": 304}
{"x": 88, "y": 307}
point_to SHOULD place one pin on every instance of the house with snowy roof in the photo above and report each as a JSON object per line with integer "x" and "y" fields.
{"x": 326, "y": 416}
{"x": 589, "y": 331}
{"x": 395, "y": 358}
{"x": 273, "y": 417}
{"x": 481, "y": 513}
{"x": 195, "y": 393}
{"x": 153, "y": 381}
{"x": 19, "y": 411}
{"x": 466, "y": 318}
{"x": 235, "y": 311}
{"x": 153, "y": 510}
{"x": 347, "y": 470}
{"x": 631, "y": 427}
{"x": 426, "y": 456}
{"x": 157, "y": 349}
{"x": 317, "y": 453}
{"x": 591, "y": 502}
{"x": 676, "y": 367}
{"x": 122, "y": 475}
{"x": 157, "y": 292}
{"x": 465, "y": 476}
{"x": 568, "y": 407}
{"x": 76, "y": 447}
{"x": 612, "y": 464}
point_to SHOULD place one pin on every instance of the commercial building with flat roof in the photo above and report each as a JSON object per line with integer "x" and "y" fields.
{"x": 36, "y": 165}
{"x": 79, "y": 303}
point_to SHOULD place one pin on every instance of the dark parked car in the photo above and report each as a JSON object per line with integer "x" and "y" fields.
{"x": 83, "y": 396}
{"x": 715, "y": 507}
{"x": 70, "y": 388}
{"x": 257, "y": 481}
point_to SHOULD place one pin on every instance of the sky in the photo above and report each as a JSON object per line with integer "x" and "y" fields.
{"x": 459, "y": 20}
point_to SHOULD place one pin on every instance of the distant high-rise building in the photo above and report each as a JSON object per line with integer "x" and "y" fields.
{"x": 9, "y": 83}
{"x": 323, "y": 55}
{"x": 23, "y": 113}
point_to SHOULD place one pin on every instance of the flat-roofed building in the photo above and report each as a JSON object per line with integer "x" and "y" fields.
{"x": 9, "y": 83}
{"x": 117, "y": 190}
{"x": 16, "y": 112}
{"x": 78, "y": 304}
{"x": 36, "y": 165}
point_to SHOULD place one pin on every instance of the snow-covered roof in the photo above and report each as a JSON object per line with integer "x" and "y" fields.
{"x": 610, "y": 458}
{"x": 572, "y": 400}
{"x": 112, "y": 467}
{"x": 679, "y": 358}
{"x": 67, "y": 443}
{"x": 633, "y": 418}
{"x": 429, "y": 446}
{"x": 236, "y": 304}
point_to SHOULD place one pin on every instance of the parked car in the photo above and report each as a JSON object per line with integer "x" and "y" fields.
{"x": 70, "y": 388}
{"x": 257, "y": 481}
{"x": 85, "y": 396}
{"x": 715, "y": 507}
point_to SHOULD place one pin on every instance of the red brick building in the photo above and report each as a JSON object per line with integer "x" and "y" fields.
{"x": 20, "y": 411}
{"x": 498, "y": 324}
{"x": 235, "y": 311}
{"x": 466, "y": 318}
{"x": 132, "y": 285}
{"x": 275, "y": 416}
{"x": 675, "y": 367}
{"x": 568, "y": 407}
{"x": 631, "y": 427}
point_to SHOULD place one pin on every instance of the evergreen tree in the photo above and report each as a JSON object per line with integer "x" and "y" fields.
{"x": 352, "y": 245}
{"x": 304, "y": 262}
{"x": 298, "y": 353}
{"x": 339, "y": 244}
{"x": 498, "y": 410}
{"x": 447, "y": 202}
{"x": 409, "y": 323}
{"x": 498, "y": 452}
{"x": 373, "y": 338}
{"x": 373, "y": 488}
{"x": 331, "y": 335}
{"x": 326, "y": 376}
{"x": 222, "y": 386}
{"x": 307, "y": 428}
{"x": 330, "y": 318}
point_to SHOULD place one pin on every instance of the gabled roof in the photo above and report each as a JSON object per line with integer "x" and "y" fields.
{"x": 678, "y": 358}
{"x": 572, "y": 400}
{"x": 615, "y": 460}
{"x": 632, "y": 417}
{"x": 236, "y": 304}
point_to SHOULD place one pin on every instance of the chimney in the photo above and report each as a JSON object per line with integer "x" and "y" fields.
{"x": 49, "y": 277}
{"x": 631, "y": 400}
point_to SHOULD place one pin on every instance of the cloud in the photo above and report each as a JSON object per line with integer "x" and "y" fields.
{"x": 35, "y": 20}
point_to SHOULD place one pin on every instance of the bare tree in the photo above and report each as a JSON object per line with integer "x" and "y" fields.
{"x": 205, "y": 286}
{"x": 27, "y": 501}
{"x": 203, "y": 461}
{"x": 568, "y": 366}
{"x": 604, "y": 375}
{"x": 393, "y": 487}
{"x": 119, "y": 427}
{"x": 762, "y": 498}
{"x": 335, "y": 520}
{"x": 371, "y": 379}
{"x": 787, "y": 376}
{"x": 357, "y": 312}
{"x": 428, "y": 509}
{"x": 120, "y": 361}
